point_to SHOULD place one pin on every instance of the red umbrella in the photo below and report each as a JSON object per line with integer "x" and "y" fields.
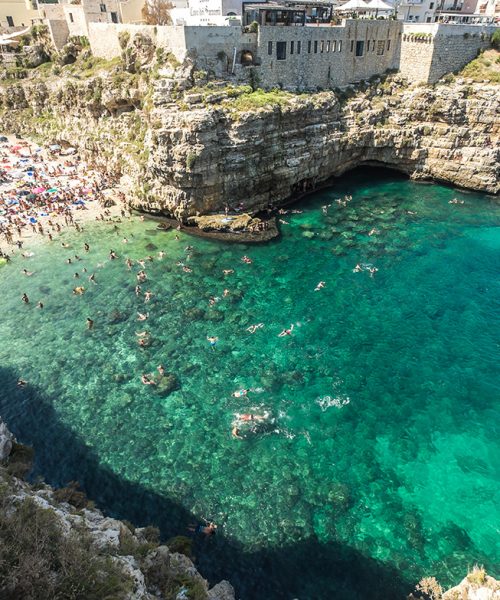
{"x": 38, "y": 190}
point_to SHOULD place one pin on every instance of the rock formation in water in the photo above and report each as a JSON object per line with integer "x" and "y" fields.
{"x": 53, "y": 543}
{"x": 186, "y": 147}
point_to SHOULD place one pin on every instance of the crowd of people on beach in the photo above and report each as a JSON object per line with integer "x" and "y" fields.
{"x": 42, "y": 189}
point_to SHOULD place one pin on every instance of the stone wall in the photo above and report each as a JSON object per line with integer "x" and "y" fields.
{"x": 429, "y": 51}
{"x": 327, "y": 57}
{"x": 312, "y": 57}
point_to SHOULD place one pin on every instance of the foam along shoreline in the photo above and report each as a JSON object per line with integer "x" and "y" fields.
{"x": 66, "y": 174}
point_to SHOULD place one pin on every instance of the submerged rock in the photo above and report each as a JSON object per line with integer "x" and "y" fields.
{"x": 166, "y": 384}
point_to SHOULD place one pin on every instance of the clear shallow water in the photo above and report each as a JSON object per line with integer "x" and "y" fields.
{"x": 382, "y": 458}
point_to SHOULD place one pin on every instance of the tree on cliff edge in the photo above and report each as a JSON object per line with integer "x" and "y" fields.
{"x": 157, "y": 12}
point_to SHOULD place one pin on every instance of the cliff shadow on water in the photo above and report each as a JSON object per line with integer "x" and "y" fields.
{"x": 307, "y": 569}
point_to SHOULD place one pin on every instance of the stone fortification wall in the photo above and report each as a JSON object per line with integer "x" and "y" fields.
{"x": 310, "y": 57}
{"x": 429, "y": 51}
{"x": 325, "y": 57}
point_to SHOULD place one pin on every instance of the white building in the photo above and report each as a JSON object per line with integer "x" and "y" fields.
{"x": 207, "y": 12}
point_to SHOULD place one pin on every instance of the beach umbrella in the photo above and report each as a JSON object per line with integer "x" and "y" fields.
{"x": 38, "y": 190}
{"x": 52, "y": 190}
{"x": 23, "y": 193}
{"x": 33, "y": 220}
{"x": 3, "y": 139}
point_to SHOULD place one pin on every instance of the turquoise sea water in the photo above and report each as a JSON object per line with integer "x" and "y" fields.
{"x": 379, "y": 463}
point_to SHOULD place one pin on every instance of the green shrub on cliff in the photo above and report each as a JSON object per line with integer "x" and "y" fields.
{"x": 484, "y": 68}
{"x": 495, "y": 40}
{"x": 38, "y": 560}
{"x": 261, "y": 99}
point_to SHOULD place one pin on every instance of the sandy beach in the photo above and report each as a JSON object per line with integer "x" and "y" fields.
{"x": 45, "y": 189}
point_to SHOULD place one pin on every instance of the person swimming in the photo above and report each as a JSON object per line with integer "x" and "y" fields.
{"x": 25, "y": 298}
{"x": 253, "y": 328}
{"x": 27, "y": 273}
{"x": 90, "y": 323}
{"x": 239, "y": 393}
{"x": 142, "y": 316}
{"x": 212, "y": 340}
{"x": 79, "y": 290}
{"x": 286, "y": 332}
{"x": 146, "y": 379}
{"x": 320, "y": 285}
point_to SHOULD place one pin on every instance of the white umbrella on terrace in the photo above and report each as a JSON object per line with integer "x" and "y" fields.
{"x": 353, "y": 5}
{"x": 379, "y": 5}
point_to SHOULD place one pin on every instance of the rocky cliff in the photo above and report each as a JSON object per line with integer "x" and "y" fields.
{"x": 55, "y": 544}
{"x": 185, "y": 149}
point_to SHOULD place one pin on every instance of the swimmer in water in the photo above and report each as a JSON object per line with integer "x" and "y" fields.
{"x": 141, "y": 262}
{"x": 212, "y": 341}
{"x": 246, "y": 260}
{"x": 235, "y": 432}
{"x": 137, "y": 290}
{"x": 372, "y": 270}
{"x": 239, "y": 393}
{"x": 27, "y": 273}
{"x": 112, "y": 255}
{"x": 69, "y": 261}
{"x": 320, "y": 285}
{"x": 253, "y": 328}
{"x": 161, "y": 370}
{"x": 79, "y": 290}
{"x": 124, "y": 241}
{"x": 286, "y": 331}
{"x": 65, "y": 245}
{"x": 21, "y": 382}
{"x": 40, "y": 304}
{"x": 208, "y": 529}
{"x": 357, "y": 269}
{"x": 129, "y": 263}
{"x": 90, "y": 323}
{"x": 142, "y": 317}
{"x": 161, "y": 254}
{"x": 228, "y": 271}
{"x": 92, "y": 279}
{"x": 25, "y": 299}
{"x": 86, "y": 247}
{"x": 146, "y": 379}
{"x": 187, "y": 269}
{"x": 147, "y": 296}
{"x": 76, "y": 275}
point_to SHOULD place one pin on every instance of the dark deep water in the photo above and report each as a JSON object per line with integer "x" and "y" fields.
{"x": 381, "y": 463}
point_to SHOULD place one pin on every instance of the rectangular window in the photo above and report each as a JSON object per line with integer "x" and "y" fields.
{"x": 360, "y": 47}
{"x": 114, "y": 17}
{"x": 292, "y": 44}
{"x": 388, "y": 45}
{"x": 380, "y": 47}
{"x": 322, "y": 46}
{"x": 368, "y": 46}
{"x": 428, "y": 19}
{"x": 352, "y": 45}
{"x": 431, "y": 5}
{"x": 373, "y": 45}
{"x": 102, "y": 7}
{"x": 71, "y": 20}
{"x": 270, "y": 48}
{"x": 328, "y": 45}
{"x": 340, "y": 45}
{"x": 315, "y": 46}
{"x": 334, "y": 46}
{"x": 10, "y": 22}
{"x": 298, "y": 47}
{"x": 309, "y": 46}
{"x": 280, "y": 50}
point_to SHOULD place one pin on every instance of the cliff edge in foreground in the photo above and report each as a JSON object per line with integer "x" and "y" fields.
{"x": 54, "y": 544}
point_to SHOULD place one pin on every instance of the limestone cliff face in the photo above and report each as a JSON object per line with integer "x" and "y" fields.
{"x": 182, "y": 153}
{"x": 205, "y": 158}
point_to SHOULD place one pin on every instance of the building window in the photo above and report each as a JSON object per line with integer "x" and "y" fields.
{"x": 352, "y": 45}
{"x": 114, "y": 17}
{"x": 388, "y": 45}
{"x": 360, "y": 47}
{"x": 292, "y": 44}
{"x": 280, "y": 50}
{"x": 368, "y": 46}
{"x": 428, "y": 19}
{"x": 416, "y": 18}
{"x": 431, "y": 5}
{"x": 10, "y": 22}
{"x": 71, "y": 20}
{"x": 102, "y": 7}
{"x": 373, "y": 45}
{"x": 298, "y": 47}
{"x": 380, "y": 47}
{"x": 328, "y": 45}
{"x": 334, "y": 46}
{"x": 270, "y": 48}
{"x": 322, "y": 46}
{"x": 315, "y": 46}
{"x": 340, "y": 45}
{"x": 309, "y": 46}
